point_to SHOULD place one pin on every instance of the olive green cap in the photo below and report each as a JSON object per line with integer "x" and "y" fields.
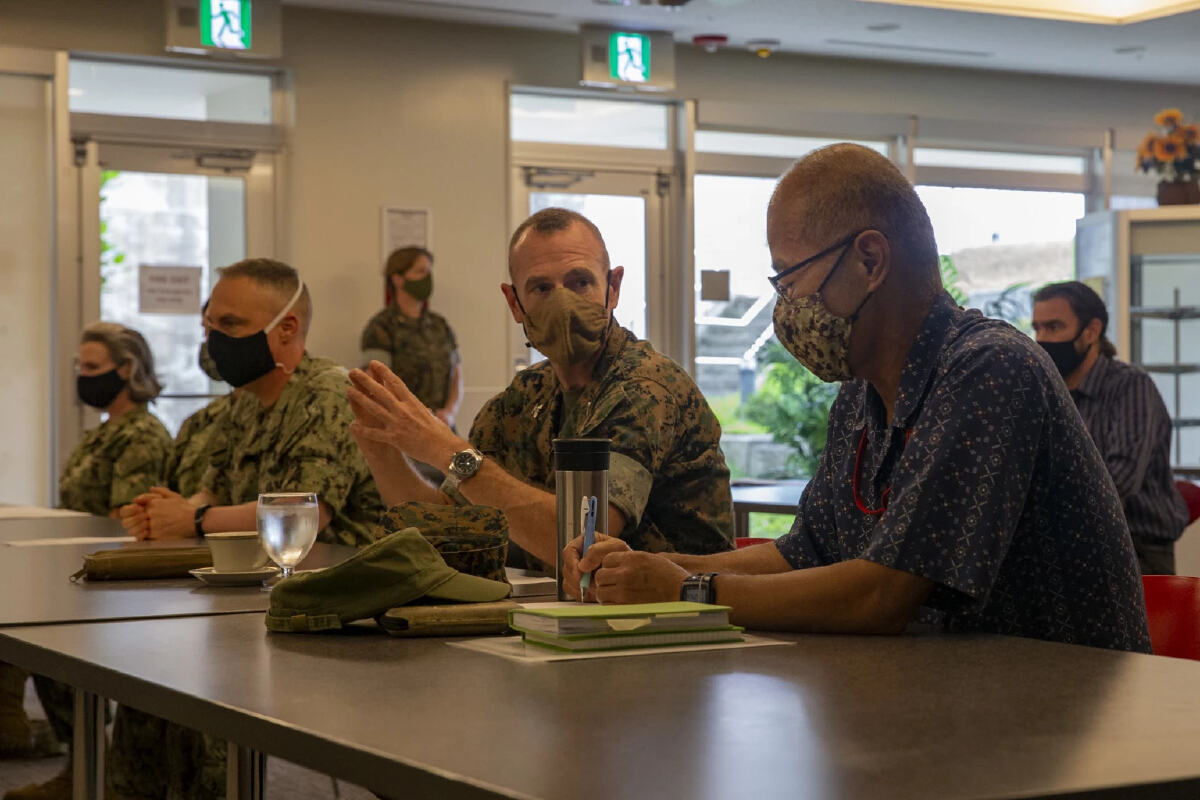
{"x": 391, "y": 572}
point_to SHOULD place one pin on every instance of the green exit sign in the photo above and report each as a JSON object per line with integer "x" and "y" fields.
{"x": 225, "y": 24}
{"x": 629, "y": 57}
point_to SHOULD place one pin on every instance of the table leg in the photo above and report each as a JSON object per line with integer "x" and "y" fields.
{"x": 741, "y": 522}
{"x": 87, "y": 749}
{"x": 246, "y": 777}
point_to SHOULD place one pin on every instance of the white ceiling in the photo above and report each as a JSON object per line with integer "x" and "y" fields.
{"x": 843, "y": 28}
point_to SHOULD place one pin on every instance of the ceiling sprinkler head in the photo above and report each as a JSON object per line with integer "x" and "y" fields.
{"x": 711, "y": 42}
{"x": 763, "y": 47}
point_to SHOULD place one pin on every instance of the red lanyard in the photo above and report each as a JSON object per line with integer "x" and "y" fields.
{"x": 887, "y": 493}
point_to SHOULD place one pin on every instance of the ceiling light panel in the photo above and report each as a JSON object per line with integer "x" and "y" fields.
{"x": 1105, "y": 12}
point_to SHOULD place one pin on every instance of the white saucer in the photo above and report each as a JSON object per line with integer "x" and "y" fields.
{"x": 252, "y": 578}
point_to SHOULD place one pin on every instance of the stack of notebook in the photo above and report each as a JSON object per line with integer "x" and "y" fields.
{"x": 597, "y": 627}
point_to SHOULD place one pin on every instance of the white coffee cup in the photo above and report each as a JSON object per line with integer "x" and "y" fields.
{"x": 236, "y": 551}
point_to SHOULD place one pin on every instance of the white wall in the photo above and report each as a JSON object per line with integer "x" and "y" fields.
{"x": 396, "y": 111}
{"x": 25, "y": 246}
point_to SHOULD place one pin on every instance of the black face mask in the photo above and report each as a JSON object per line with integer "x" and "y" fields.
{"x": 244, "y": 359}
{"x": 99, "y": 391}
{"x": 241, "y": 360}
{"x": 1065, "y": 355}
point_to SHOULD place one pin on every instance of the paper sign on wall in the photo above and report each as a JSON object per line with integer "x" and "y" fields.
{"x": 169, "y": 290}
{"x": 405, "y": 227}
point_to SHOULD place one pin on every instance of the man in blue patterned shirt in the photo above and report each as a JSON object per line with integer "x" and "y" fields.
{"x": 958, "y": 482}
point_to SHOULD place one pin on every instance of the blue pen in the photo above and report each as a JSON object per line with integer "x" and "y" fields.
{"x": 588, "y": 512}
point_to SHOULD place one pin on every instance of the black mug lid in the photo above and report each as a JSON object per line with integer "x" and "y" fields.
{"x": 581, "y": 446}
{"x": 581, "y": 455}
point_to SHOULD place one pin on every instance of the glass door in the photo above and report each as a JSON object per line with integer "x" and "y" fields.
{"x": 158, "y": 211}
{"x": 627, "y": 209}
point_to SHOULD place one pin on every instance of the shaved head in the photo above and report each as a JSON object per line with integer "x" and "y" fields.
{"x": 833, "y": 192}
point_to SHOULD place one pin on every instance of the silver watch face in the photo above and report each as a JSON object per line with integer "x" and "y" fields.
{"x": 465, "y": 463}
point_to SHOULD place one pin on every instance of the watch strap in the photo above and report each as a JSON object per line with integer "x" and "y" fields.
{"x": 199, "y": 519}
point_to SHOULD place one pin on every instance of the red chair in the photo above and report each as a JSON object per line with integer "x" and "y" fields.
{"x": 749, "y": 541}
{"x": 1191, "y": 496}
{"x": 1173, "y": 606}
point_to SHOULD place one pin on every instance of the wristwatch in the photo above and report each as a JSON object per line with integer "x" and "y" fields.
{"x": 464, "y": 464}
{"x": 199, "y": 519}
{"x": 699, "y": 588}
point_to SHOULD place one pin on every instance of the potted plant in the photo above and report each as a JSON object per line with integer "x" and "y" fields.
{"x": 1173, "y": 151}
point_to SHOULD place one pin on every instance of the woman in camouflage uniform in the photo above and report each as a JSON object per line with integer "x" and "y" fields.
{"x": 125, "y": 456}
{"x": 416, "y": 343}
{"x": 113, "y": 464}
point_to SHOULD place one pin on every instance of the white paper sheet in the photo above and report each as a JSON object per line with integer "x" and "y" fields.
{"x": 33, "y": 512}
{"x": 70, "y": 540}
{"x": 526, "y": 585}
{"x": 513, "y": 649}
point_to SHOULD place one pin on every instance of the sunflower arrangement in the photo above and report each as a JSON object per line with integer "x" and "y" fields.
{"x": 1173, "y": 151}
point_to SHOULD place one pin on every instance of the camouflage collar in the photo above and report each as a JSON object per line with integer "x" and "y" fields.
{"x": 132, "y": 415}
{"x": 405, "y": 319}
{"x": 619, "y": 340}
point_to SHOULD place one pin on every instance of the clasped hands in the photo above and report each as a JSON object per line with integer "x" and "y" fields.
{"x": 621, "y": 574}
{"x": 161, "y": 514}
{"x": 388, "y": 415}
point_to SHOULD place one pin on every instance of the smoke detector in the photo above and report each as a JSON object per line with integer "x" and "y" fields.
{"x": 711, "y": 42}
{"x": 762, "y": 47}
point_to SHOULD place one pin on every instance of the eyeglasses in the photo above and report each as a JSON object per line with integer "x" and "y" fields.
{"x": 777, "y": 279}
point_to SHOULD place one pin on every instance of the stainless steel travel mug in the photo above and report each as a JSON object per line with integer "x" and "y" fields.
{"x": 580, "y": 471}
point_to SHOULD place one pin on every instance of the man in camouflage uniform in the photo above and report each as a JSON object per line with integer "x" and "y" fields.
{"x": 668, "y": 483}
{"x": 190, "y": 457}
{"x": 287, "y": 431}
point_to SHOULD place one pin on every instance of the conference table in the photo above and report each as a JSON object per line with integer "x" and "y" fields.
{"x": 36, "y": 590}
{"x": 826, "y": 717}
{"x": 924, "y": 715}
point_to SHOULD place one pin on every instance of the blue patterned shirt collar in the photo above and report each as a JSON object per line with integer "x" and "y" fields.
{"x": 939, "y": 326}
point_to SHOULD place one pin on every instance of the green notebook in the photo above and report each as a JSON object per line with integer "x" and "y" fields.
{"x": 590, "y": 619}
{"x": 632, "y": 641}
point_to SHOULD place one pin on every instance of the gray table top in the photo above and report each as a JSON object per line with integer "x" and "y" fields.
{"x": 12, "y": 530}
{"x": 775, "y": 498}
{"x": 35, "y": 587}
{"x": 831, "y": 718}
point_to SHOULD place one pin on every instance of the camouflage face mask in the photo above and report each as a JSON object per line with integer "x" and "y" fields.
{"x": 207, "y": 365}
{"x": 818, "y": 338}
{"x": 566, "y": 328}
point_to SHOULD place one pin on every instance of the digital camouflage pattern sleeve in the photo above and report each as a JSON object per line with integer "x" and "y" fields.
{"x": 116, "y": 462}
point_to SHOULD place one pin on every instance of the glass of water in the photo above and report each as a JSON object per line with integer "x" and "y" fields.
{"x": 287, "y": 526}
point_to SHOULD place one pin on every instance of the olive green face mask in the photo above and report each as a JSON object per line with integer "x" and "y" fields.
{"x": 421, "y": 288}
{"x": 566, "y": 328}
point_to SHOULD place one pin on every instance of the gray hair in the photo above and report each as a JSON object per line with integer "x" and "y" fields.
{"x": 555, "y": 220}
{"x": 280, "y": 279}
{"x": 127, "y": 346}
{"x": 845, "y": 188}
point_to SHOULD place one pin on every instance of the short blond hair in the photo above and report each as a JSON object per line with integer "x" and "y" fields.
{"x": 555, "y": 220}
{"x": 280, "y": 278}
{"x": 127, "y": 346}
